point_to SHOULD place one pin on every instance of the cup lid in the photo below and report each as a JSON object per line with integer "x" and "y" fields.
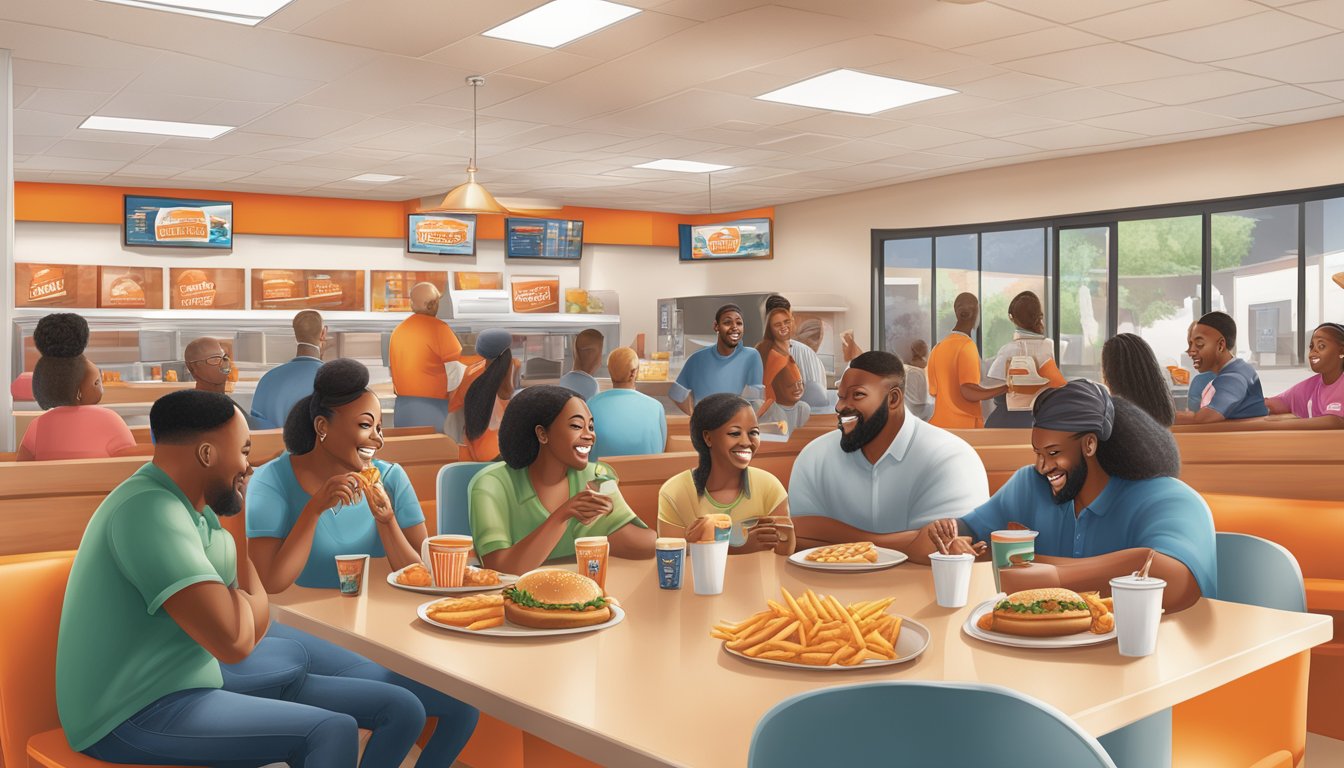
{"x": 720, "y": 520}
{"x": 590, "y": 540}
{"x": 351, "y": 557}
{"x": 1013, "y": 535}
{"x": 668, "y": 542}
{"x": 1138, "y": 582}
{"x": 951, "y": 558}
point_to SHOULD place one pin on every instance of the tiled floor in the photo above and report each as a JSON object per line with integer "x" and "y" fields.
{"x": 1323, "y": 752}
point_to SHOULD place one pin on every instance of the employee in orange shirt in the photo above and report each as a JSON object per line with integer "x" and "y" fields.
{"x": 420, "y": 347}
{"x": 954, "y": 372}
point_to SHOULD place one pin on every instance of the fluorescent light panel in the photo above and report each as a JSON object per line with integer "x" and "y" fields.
{"x": 249, "y": 12}
{"x": 561, "y": 21}
{"x": 375, "y": 178}
{"x": 845, "y": 90}
{"x": 158, "y": 127}
{"x": 684, "y": 166}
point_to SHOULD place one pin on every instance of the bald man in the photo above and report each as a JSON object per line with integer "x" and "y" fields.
{"x": 627, "y": 422}
{"x": 587, "y": 356}
{"x": 954, "y": 372}
{"x": 419, "y": 349}
{"x": 286, "y": 384}
{"x": 209, "y": 364}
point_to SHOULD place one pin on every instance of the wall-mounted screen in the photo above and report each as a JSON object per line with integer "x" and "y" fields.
{"x": 743, "y": 239}
{"x": 341, "y": 289}
{"x": 543, "y": 239}
{"x": 444, "y": 234}
{"x": 166, "y": 222}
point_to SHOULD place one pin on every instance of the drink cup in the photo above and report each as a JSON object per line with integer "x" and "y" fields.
{"x": 951, "y": 578}
{"x": 1009, "y": 548}
{"x": 591, "y": 554}
{"x": 1138, "y": 611}
{"x": 446, "y": 558}
{"x": 351, "y": 570}
{"x": 671, "y": 561}
{"x": 709, "y": 560}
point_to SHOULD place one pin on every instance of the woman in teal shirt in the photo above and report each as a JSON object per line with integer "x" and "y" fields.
{"x": 308, "y": 505}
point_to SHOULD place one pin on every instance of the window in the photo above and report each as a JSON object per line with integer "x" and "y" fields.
{"x": 958, "y": 271}
{"x": 1325, "y": 263}
{"x": 907, "y": 292}
{"x": 1160, "y": 273}
{"x": 1011, "y": 262}
{"x": 1084, "y": 299}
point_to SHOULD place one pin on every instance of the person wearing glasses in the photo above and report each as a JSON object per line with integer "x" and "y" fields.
{"x": 209, "y": 364}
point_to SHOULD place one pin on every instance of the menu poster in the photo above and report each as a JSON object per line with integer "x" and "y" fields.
{"x": 478, "y": 281}
{"x": 192, "y": 288}
{"x": 130, "y": 288}
{"x": 742, "y": 239}
{"x": 55, "y": 285}
{"x": 445, "y": 234}
{"x": 535, "y": 294}
{"x": 294, "y": 289}
{"x": 391, "y": 291}
{"x": 165, "y": 221}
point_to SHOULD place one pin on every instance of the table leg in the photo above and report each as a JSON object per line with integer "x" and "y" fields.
{"x": 1145, "y": 743}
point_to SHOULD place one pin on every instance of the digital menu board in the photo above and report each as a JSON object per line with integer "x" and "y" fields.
{"x": 130, "y": 288}
{"x": 742, "y": 239}
{"x": 165, "y": 222}
{"x": 208, "y": 288}
{"x": 543, "y": 239}
{"x": 341, "y": 289}
{"x": 444, "y": 234}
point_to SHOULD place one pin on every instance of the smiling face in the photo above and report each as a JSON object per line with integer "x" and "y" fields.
{"x": 1061, "y": 458}
{"x": 1326, "y": 353}
{"x": 1206, "y": 347}
{"x": 354, "y": 433}
{"x": 736, "y": 442}
{"x": 729, "y": 327}
{"x": 788, "y": 386}
{"x": 228, "y": 470}
{"x": 865, "y": 405}
{"x": 781, "y": 326}
{"x": 570, "y": 437}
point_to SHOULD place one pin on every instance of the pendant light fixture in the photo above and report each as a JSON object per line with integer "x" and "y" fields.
{"x": 470, "y": 197}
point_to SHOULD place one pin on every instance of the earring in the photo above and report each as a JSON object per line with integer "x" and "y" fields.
{"x": 322, "y": 438}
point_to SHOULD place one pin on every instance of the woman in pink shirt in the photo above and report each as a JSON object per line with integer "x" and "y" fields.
{"x": 1318, "y": 401}
{"x": 68, "y": 386}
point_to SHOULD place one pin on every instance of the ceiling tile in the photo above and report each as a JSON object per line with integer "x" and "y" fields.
{"x": 409, "y": 27}
{"x": 81, "y": 103}
{"x": 1329, "y": 12}
{"x": 41, "y": 74}
{"x": 838, "y": 124}
{"x": 551, "y": 67}
{"x": 805, "y": 143}
{"x": 1335, "y": 89}
{"x": 984, "y": 148}
{"x": 1069, "y": 11}
{"x": 32, "y": 145}
{"x": 247, "y": 165}
{"x": 181, "y": 158}
{"x": 1013, "y": 85}
{"x": 1104, "y": 65}
{"x": 924, "y": 137}
{"x": 942, "y": 25}
{"x": 189, "y": 74}
{"x": 386, "y": 83}
{"x": 1073, "y": 137}
{"x": 1079, "y": 104}
{"x": 1163, "y": 120}
{"x": 77, "y": 165}
{"x": 995, "y": 123}
{"x": 28, "y": 122}
{"x": 150, "y": 171}
{"x": 1168, "y": 16}
{"x": 1184, "y": 89}
{"x": 234, "y": 143}
{"x": 854, "y": 53}
{"x": 1281, "y": 98}
{"x": 627, "y": 36}
{"x": 97, "y": 150}
{"x": 305, "y": 121}
{"x": 1303, "y": 115}
{"x": 858, "y": 152}
{"x": 483, "y": 55}
{"x": 1042, "y": 41}
{"x": 927, "y": 160}
{"x": 1240, "y": 37}
{"x": 211, "y": 176}
{"x": 1311, "y": 62}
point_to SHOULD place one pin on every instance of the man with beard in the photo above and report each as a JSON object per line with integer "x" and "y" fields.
{"x": 725, "y": 367}
{"x": 158, "y": 602}
{"x": 1102, "y": 496}
{"x": 881, "y": 475}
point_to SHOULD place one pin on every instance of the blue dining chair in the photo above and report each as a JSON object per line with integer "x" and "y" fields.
{"x": 1257, "y": 571}
{"x": 451, "y": 495}
{"x": 921, "y": 723}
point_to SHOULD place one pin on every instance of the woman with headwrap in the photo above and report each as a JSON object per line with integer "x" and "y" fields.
{"x": 1235, "y": 391}
{"x": 486, "y": 388}
{"x": 1102, "y": 496}
{"x": 68, "y": 386}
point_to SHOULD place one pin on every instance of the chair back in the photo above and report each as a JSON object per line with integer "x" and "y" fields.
{"x": 910, "y": 722}
{"x": 1257, "y": 571}
{"x": 451, "y": 499}
{"x": 31, "y": 605}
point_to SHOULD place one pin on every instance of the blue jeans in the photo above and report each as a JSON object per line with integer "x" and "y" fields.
{"x": 271, "y": 709}
{"x": 456, "y": 720}
{"x": 410, "y": 411}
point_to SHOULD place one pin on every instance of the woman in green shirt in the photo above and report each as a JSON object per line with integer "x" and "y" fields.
{"x": 530, "y": 508}
{"x": 724, "y": 433}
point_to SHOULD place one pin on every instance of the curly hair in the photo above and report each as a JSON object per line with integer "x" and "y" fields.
{"x": 533, "y": 407}
{"x": 710, "y": 414}
{"x": 1131, "y": 371}
{"x": 60, "y": 338}
{"x": 179, "y": 416}
{"x": 339, "y": 382}
{"x": 1139, "y": 448}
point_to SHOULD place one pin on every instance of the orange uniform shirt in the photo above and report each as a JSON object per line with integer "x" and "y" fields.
{"x": 419, "y": 347}
{"x": 954, "y": 361}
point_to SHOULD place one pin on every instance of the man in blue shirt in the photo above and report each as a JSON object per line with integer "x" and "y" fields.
{"x": 628, "y": 422}
{"x": 287, "y": 384}
{"x": 727, "y": 366}
{"x": 1102, "y": 496}
{"x": 587, "y": 356}
{"x": 1234, "y": 392}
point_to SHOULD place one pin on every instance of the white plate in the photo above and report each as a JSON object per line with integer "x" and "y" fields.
{"x": 505, "y": 579}
{"x": 886, "y": 558}
{"x": 513, "y": 630}
{"x": 1078, "y": 640}
{"x": 912, "y": 641}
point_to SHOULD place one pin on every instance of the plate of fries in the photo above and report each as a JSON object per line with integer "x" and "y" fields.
{"x": 1096, "y": 604}
{"x": 416, "y": 578}
{"x": 854, "y": 556}
{"x": 484, "y": 615}
{"x": 816, "y": 632}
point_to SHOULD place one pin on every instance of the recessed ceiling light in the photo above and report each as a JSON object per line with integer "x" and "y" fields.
{"x": 375, "y": 178}
{"x": 561, "y": 21}
{"x": 845, "y": 90}
{"x": 249, "y": 12}
{"x": 160, "y": 127}
{"x": 685, "y": 166}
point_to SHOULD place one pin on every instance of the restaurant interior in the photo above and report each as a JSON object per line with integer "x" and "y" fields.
{"x": 188, "y": 169}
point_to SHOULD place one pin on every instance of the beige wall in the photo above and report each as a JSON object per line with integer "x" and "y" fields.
{"x": 825, "y": 244}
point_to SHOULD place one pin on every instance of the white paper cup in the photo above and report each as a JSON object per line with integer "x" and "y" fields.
{"x": 1138, "y": 611}
{"x": 709, "y": 560}
{"x": 951, "y": 578}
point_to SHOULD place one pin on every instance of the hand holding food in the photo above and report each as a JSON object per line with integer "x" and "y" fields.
{"x": 817, "y": 631}
{"x": 341, "y": 489}
{"x": 475, "y": 612}
{"x": 586, "y": 506}
{"x": 761, "y": 537}
{"x": 856, "y": 552}
{"x": 1049, "y": 612}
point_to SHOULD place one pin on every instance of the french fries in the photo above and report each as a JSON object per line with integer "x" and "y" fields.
{"x": 474, "y": 612}
{"x": 816, "y": 631}
{"x": 856, "y": 552}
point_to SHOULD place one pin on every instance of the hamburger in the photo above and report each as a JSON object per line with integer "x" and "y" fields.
{"x": 555, "y": 599}
{"x": 1050, "y": 612}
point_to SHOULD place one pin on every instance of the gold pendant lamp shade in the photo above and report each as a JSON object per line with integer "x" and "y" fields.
{"x": 470, "y": 197}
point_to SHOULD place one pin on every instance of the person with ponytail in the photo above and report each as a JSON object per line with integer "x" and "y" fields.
{"x": 479, "y": 400}
{"x": 68, "y": 386}
{"x": 724, "y": 433}
{"x": 1129, "y": 369}
{"x": 309, "y": 504}
{"x": 530, "y": 507}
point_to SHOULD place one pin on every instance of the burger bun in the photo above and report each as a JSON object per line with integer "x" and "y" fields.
{"x": 559, "y": 587}
{"x": 1055, "y": 624}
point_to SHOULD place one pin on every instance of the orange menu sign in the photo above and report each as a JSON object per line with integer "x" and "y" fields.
{"x": 391, "y": 291}
{"x": 724, "y": 241}
{"x": 308, "y": 289}
{"x": 476, "y": 281}
{"x": 191, "y": 288}
{"x": 130, "y": 287}
{"x": 55, "y": 285}
{"x": 536, "y": 294}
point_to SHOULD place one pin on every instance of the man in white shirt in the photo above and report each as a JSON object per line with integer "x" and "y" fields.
{"x": 1013, "y": 409}
{"x": 881, "y": 476}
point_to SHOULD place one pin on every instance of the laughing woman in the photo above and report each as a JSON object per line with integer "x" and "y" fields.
{"x": 309, "y": 505}
{"x": 529, "y": 508}
{"x": 724, "y": 433}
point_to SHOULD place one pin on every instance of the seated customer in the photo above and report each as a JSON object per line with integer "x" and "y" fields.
{"x": 628, "y": 422}
{"x": 479, "y": 400}
{"x": 786, "y": 397}
{"x": 288, "y": 383}
{"x": 68, "y": 386}
{"x": 1102, "y": 495}
{"x": 1195, "y": 394}
{"x": 309, "y": 504}
{"x": 530, "y": 508}
{"x": 1235, "y": 391}
{"x": 881, "y": 475}
{"x": 1012, "y": 409}
{"x": 587, "y": 356}
{"x": 724, "y": 433}
{"x": 1313, "y": 403}
{"x": 1129, "y": 369}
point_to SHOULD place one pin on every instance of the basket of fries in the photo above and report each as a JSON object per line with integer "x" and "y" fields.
{"x": 816, "y": 632}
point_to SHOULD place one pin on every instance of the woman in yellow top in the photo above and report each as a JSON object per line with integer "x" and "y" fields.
{"x": 724, "y": 433}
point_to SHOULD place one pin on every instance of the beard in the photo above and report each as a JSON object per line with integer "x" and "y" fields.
{"x": 867, "y": 428}
{"x": 1073, "y": 483}
{"x": 226, "y": 501}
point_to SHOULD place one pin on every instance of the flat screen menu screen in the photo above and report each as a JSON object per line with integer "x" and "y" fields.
{"x": 172, "y": 223}
{"x": 441, "y": 233}
{"x": 543, "y": 239}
